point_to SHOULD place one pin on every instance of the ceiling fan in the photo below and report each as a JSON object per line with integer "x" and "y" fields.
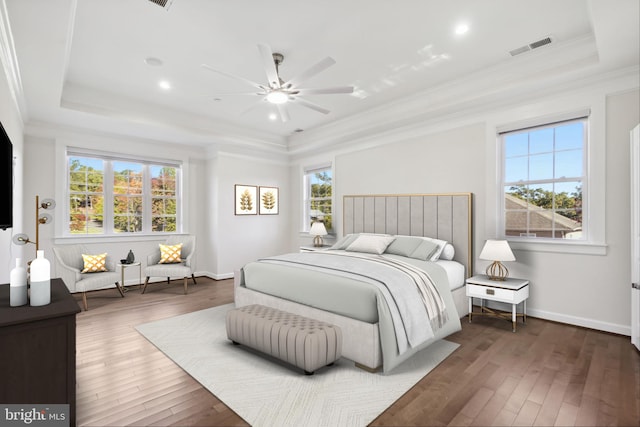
{"x": 280, "y": 92}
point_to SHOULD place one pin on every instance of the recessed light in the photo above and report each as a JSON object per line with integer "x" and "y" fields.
{"x": 164, "y": 84}
{"x": 273, "y": 116}
{"x": 461, "y": 29}
{"x": 153, "y": 61}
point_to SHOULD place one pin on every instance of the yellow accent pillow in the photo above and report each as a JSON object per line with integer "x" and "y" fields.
{"x": 170, "y": 254}
{"x": 94, "y": 263}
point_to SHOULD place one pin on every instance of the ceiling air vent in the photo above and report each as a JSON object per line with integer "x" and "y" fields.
{"x": 534, "y": 45}
{"x": 166, "y": 4}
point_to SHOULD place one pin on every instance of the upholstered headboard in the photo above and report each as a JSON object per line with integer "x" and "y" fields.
{"x": 442, "y": 216}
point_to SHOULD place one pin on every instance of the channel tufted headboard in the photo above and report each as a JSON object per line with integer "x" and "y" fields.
{"x": 442, "y": 216}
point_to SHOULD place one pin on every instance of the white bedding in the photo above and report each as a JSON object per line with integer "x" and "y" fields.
{"x": 455, "y": 272}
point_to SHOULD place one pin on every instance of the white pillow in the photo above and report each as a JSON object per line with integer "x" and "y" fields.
{"x": 448, "y": 252}
{"x": 370, "y": 244}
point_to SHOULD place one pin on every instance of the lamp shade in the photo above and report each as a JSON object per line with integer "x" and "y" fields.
{"x": 318, "y": 229}
{"x": 497, "y": 250}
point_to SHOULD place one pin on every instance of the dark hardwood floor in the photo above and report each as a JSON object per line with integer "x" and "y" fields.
{"x": 545, "y": 374}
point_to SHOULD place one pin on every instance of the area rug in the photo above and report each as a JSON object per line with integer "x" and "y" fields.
{"x": 265, "y": 392}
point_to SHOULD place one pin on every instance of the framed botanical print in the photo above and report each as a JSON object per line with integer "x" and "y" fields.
{"x": 246, "y": 199}
{"x": 269, "y": 201}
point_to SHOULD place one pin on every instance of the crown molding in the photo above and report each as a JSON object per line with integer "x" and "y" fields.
{"x": 505, "y": 86}
{"x": 10, "y": 63}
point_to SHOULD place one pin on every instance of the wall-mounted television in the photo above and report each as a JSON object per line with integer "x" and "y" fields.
{"x": 6, "y": 180}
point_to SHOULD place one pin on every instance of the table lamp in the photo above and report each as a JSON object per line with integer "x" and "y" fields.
{"x": 318, "y": 230}
{"x": 496, "y": 251}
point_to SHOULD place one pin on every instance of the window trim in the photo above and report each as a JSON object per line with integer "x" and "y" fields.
{"x": 306, "y": 170}
{"x": 593, "y": 198}
{"x": 62, "y": 231}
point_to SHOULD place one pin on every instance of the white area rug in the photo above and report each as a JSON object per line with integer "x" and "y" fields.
{"x": 267, "y": 393}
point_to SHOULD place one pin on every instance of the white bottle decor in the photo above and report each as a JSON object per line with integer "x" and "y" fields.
{"x": 40, "y": 280}
{"x": 18, "y": 285}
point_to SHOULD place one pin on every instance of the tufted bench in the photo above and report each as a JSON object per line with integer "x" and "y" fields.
{"x": 306, "y": 343}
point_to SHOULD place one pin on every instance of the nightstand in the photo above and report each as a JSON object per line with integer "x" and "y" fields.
{"x": 510, "y": 291}
{"x": 312, "y": 248}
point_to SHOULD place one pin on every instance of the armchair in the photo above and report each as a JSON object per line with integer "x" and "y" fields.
{"x": 69, "y": 265}
{"x": 182, "y": 269}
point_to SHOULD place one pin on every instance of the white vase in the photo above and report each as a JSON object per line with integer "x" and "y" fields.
{"x": 40, "y": 275}
{"x": 18, "y": 285}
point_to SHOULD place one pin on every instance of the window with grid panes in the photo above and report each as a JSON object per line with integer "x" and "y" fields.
{"x": 109, "y": 196}
{"x": 543, "y": 181}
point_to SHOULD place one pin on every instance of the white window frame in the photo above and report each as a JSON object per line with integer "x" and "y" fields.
{"x": 306, "y": 198}
{"x": 108, "y": 195}
{"x": 593, "y": 198}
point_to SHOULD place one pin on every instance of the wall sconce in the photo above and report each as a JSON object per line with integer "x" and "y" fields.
{"x": 41, "y": 218}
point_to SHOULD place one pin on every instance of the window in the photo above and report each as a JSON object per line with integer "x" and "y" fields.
{"x": 543, "y": 181}
{"x": 108, "y": 196}
{"x": 318, "y": 197}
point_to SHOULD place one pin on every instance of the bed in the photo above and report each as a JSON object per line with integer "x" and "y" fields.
{"x": 341, "y": 286}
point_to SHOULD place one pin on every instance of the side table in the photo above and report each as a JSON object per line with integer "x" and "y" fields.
{"x": 123, "y": 267}
{"x": 510, "y": 291}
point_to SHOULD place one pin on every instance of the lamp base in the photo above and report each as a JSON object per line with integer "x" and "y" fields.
{"x": 497, "y": 271}
{"x": 318, "y": 242}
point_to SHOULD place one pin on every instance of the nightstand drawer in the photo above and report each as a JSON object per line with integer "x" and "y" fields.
{"x": 498, "y": 294}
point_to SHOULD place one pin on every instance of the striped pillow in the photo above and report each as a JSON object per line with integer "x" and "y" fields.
{"x": 170, "y": 254}
{"x": 94, "y": 263}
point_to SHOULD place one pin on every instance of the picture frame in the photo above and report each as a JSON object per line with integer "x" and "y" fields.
{"x": 269, "y": 200}
{"x": 246, "y": 199}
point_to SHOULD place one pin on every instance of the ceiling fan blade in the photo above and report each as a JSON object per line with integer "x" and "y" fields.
{"x": 312, "y": 106}
{"x": 284, "y": 113}
{"x": 319, "y": 67}
{"x": 253, "y": 106}
{"x": 221, "y": 95}
{"x": 325, "y": 91}
{"x": 269, "y": 66}
{"x": 242, "y": 79}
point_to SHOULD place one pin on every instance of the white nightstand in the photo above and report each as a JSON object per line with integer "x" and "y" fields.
{"x": 510, "y": 291}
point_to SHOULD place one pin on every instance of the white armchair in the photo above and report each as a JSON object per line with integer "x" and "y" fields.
{"x": 182, "y": 269}
{"x": 69, "y": 265}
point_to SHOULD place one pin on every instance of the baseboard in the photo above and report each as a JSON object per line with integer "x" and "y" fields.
{"x": 222, "y": 276}
{"x": 568, "y": 319}
{"x": 134, "y": 282}
{"x": 581, "y": 321}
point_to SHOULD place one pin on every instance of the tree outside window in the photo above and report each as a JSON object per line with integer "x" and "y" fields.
{"x": 125, "y": 196}
{"x": 319, "y": 186}
{"x": 86, "y": 195}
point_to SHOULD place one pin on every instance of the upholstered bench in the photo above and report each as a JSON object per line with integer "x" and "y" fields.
{"x": 306, "y": 343}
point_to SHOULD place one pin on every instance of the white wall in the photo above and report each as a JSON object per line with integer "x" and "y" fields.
{"x": 238, "y": 239}
{"x": 460, "y": 155}
{"x": 45, "y": 163}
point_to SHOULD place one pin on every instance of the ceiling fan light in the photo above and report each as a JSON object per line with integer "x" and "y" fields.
{"x": 277, "y": 97}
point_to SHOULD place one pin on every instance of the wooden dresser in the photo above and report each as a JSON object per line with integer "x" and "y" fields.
{"x": 38, "y": 350}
